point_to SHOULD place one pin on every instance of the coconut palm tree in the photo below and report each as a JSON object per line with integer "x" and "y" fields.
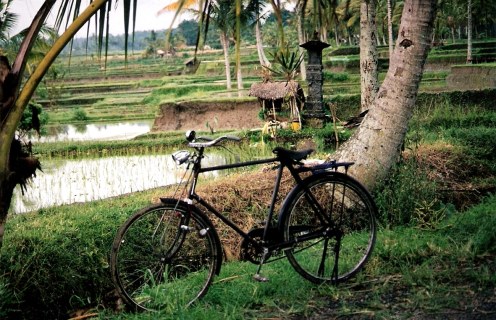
{"x": 227, "y": 16}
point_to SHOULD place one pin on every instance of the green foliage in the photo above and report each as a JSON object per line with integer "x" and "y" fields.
{"x": 286, "y": 63}
{"x": 33, "y": 118}
{"x": 478, "y": 141}
{"x": 79, "y": 115}
{"x": 8, "y": 302}
{"x": 476, "y": 227}
{"x": 57, "y": 259}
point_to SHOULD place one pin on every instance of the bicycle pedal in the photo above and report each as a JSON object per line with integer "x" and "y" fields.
{"x": 260, "y": 278}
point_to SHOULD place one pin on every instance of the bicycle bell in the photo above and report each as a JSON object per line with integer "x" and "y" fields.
{"x": 190, "y": 135}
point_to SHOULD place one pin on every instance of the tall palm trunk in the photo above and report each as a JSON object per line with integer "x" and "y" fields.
{"x": 260, "y": 50}
{"x": 225, "y": 47}
{"x": 276, "y": 6}
{"x": 301, "y": 40}
{"x": 469, "y": 32}
{"x": 369, "y": 82}
{"x": 239, "y": 76}
{"x": 376, "y": 144}
{"x": 390, "y": 27}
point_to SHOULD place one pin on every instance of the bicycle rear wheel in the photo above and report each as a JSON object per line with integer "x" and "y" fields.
{"x": 340, "y": 213}
{"x": 163, "y": 256}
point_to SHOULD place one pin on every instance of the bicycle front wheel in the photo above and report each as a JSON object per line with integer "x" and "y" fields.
{"x": 164, "y": 256}
{"x": 330, "y": 218}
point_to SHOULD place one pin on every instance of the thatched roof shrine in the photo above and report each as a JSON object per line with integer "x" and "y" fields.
{"x": 276, "y": 90}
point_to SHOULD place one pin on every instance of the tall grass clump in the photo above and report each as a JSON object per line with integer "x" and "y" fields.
{"x": 407, "y": 196}
{"x": 56, "y": 260}
{"x": 476, "y": 227}
{"x": 7, "y": 298}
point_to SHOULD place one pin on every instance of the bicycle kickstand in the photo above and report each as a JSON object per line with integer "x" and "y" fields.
{"x": 258, "y": 277}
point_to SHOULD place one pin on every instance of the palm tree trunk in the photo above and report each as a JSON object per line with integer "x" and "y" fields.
{"x": 469, "y": 32}
{"x": 239, "y": 76}
{"x": 277, "y": 12}
{"x": 260, "y": 50}
{"x": 390, "y": 28}
{"x": 225, "y": 47}
{"x": 376, "y": 145}
{"x": 336, "y": 36}
{"x": 369, "y": 83}
{"x": 301, "y": 40}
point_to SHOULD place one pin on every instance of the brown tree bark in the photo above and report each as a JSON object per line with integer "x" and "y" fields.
{"x": 369, "y": 82}
{"x": 376, "y": 144}
{"x": 224, "y": 40}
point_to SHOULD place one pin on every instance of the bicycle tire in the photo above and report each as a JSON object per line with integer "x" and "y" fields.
{"x": 347, "y": 228}
{"x": 163, "y": 257}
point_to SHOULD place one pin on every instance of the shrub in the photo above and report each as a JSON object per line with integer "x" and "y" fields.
{"x": 79, "y": 115}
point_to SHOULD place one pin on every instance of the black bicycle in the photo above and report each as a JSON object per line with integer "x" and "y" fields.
{"x": 168, "y": 253}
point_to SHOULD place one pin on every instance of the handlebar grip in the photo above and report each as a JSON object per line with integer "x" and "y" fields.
{"x": 233, "y": 138}
{"x": 204, "y": 138}
{"x": 210, "y": 143}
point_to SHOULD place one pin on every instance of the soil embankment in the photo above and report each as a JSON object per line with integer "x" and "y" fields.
{"x": 208, "y": 115}
{"x": 472, "y": 77}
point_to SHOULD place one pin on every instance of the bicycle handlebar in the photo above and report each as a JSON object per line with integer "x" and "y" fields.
{"x": 209, "y": 142}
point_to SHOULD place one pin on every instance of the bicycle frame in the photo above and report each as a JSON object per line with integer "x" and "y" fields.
{"x": 192, "y": 195}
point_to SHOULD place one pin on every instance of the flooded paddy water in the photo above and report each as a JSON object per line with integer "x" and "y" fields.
{"x": 82, "y": 180}
{"x": 66, "y": 181}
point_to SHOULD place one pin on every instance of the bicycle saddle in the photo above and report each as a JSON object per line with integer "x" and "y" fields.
{"x": 296, "y": 156}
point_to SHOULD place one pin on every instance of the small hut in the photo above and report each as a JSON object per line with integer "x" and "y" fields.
{"x": 281, "y": 101}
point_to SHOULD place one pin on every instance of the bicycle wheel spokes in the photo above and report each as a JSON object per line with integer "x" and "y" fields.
{"x": 349, "y": 223}
{"x": 159, "y": 262}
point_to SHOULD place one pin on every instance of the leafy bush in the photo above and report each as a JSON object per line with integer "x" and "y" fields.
{"x": 33, "y": 118}
{"x": 79, "y": 115}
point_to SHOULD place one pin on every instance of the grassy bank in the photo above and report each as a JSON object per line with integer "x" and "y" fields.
{"x": 55, "y": 263}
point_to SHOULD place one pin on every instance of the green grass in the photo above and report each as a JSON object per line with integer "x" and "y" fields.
{"x": 56, "y": 261}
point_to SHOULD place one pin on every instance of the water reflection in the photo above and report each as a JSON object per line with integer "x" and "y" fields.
{"x": 109, "y": 131}
{"x": 71, "y": 181}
